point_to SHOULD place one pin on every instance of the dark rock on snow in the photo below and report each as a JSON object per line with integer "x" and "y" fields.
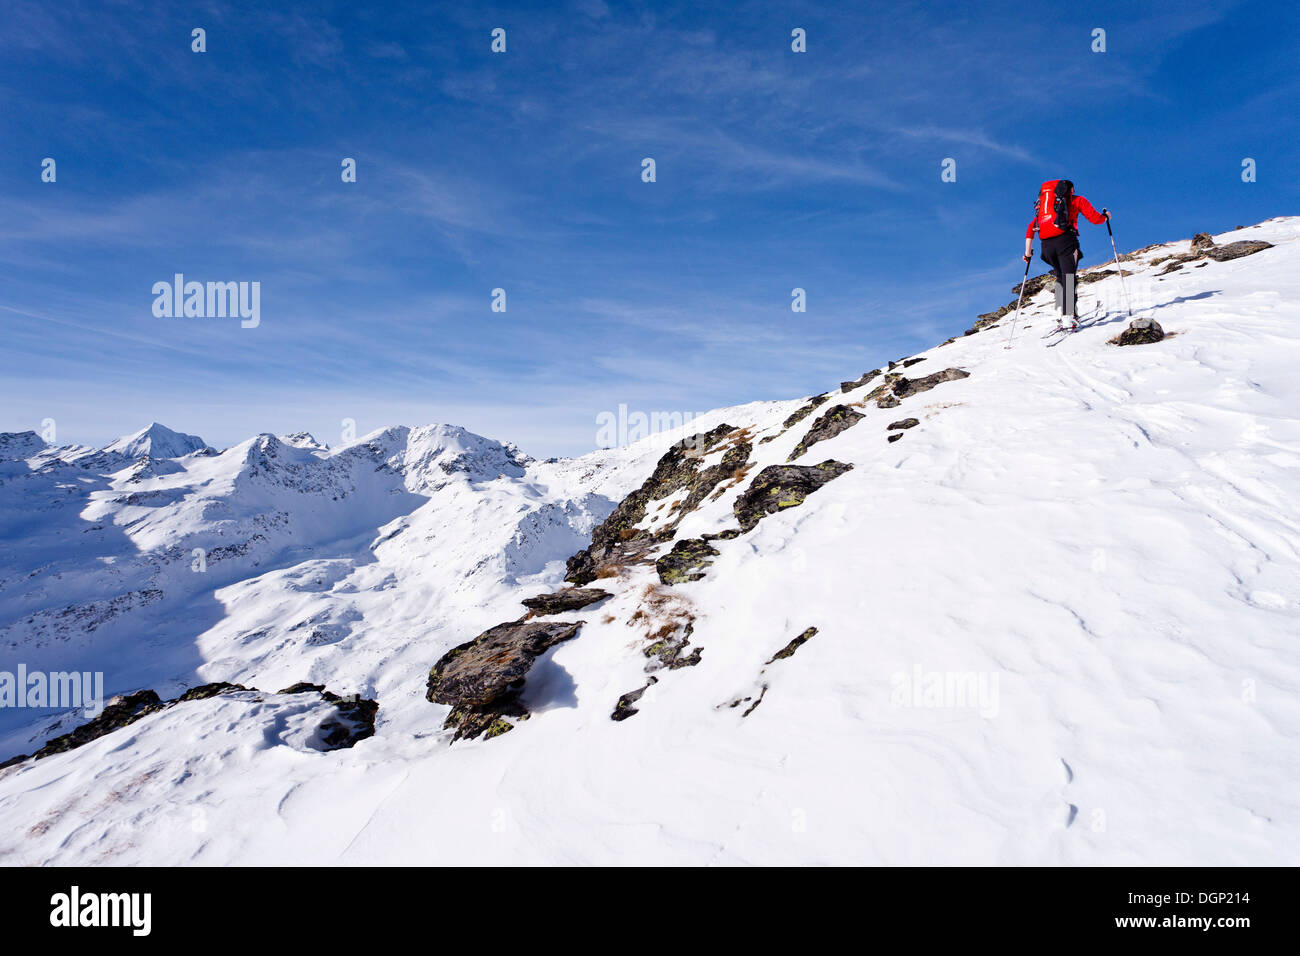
{"x": 669, "y": 649}
{"x": 778, "y": 487}
{"x": 616, "y": 541}
{"x": 850, "y": 386}
{"x": 686, "y": 561}
{"x": 890, "y": 393}
{"x": 624, "y": 709}
{"x": 302, "y": 687}
{"x": 353, "y": 721}
{"x": 913, "y": 386}
{"x": 1141, "y": 331}
{"x": 794, "y": 645}
{"x": 568, "y": 599}
{"x": 481, "y": 679}
{"x": 119, "y": 712}
{"x": 902, "y": 423}
{"x": 355, "y": 718}
{"x": 1235, "y": 250}
{"x": 204, "y": 691}
{"x": 830, "y": 424}
{"x": 1033, "y": 286}
{"x": 804, "y": 411}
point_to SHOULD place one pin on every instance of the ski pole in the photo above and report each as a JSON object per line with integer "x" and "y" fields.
{"x": 1106, "y": 213}
{"x": 1019, "y": 299}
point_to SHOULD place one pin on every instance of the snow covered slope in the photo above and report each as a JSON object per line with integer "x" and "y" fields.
{"x": 1057, "y": 621}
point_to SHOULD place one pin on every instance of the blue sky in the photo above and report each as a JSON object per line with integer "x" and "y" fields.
{"x": 522, "y": 171}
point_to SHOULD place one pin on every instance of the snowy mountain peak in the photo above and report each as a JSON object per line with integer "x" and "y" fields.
{"x": 429, "y": 455}
{"x": 156, "y": 441}
{"x": 17, "y": 446}
{"x": 304, "y": 440}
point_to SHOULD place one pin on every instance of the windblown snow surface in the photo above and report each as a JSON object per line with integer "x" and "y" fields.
{"x": 1105, "y": 541}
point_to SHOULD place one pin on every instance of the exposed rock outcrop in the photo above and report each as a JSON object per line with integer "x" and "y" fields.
{"x": 564, "y": 600}
{"x": 1203, "y": 247}
{"x": 788, "y": 651}
{"x": 354, "y": 719}
{"x": 803, "y": 412}
{"x": 891, "y": 392}
{"x": 830, "y": 424}
{"x": 481, "y": 679}
{"x": 669, "y": 650}
{"x": 686, "y": 561}
{"x": 119, "y": 712}
{"x": 204, "y": 691}
{"x": 778, "y": 487}
{"x": 302, "y": 687}
{"x": 617, "y": 541}
{"x": 624, "y": 709}
{"x": 1235, "y": 250}
{"x": 794, "y": 645}
{"x": 1031, "y": 288}
{"x": 1141, "y": 331}
{"x": 914, "y": 386}
{"x": 850, "y": 386}
{"x": 902, "y": 423}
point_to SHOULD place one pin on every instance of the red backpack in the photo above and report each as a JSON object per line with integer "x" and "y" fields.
{"x": 1052, "y": 210}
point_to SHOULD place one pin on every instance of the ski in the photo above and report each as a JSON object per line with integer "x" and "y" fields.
{"x": 1066, "y": 331}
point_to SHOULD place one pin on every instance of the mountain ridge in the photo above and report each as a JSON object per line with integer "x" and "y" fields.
{"x": 1097, "y": 534}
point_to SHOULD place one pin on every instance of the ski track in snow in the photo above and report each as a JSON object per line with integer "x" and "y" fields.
{"x": 1110, "y": 533}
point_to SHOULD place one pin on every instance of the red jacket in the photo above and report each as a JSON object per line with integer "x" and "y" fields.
{"x": 1077, "y": 205}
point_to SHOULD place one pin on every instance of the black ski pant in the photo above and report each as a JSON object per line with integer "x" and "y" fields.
{"x": 1062, "y": 253}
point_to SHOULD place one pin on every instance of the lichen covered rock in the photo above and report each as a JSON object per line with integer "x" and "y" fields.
{"x": 831, "y": 423}
{"x": 804, "y": 411}
{"x": 669, "y": 648}
{"x": 686, "y": 561}
{"x": 481, "y": 679}
{"x": 617, "y": 541}
{"x": 624, "y": 708}
{"x": 778, "y": 487}
{"x": 896, "y": 387}
{"x": 794, "y": 645}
